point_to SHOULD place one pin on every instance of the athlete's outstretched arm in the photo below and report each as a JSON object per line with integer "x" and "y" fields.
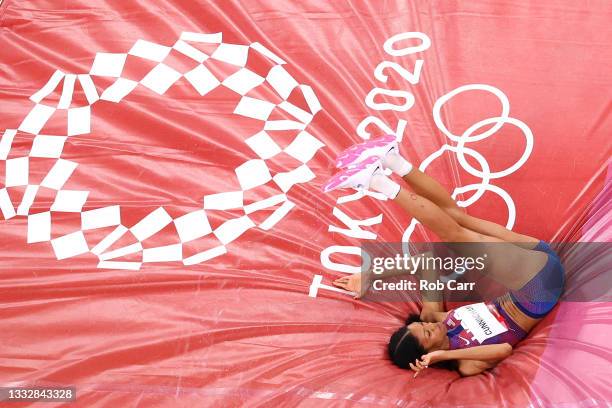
{"x": 488, "y": 352}
{"x": 472, "y": 361}
{"x": 433, "y": 305}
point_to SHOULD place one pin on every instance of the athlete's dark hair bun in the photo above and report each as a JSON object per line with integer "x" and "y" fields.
{"x": 404, "y": 348}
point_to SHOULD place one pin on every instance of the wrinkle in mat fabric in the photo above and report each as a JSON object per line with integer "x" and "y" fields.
{"x": 165, "y": 241}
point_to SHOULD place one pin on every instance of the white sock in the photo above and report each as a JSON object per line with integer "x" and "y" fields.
{"x": 397, "y": 164}
{"x": 385, "y": 185}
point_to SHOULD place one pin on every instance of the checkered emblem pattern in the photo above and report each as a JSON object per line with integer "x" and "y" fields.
{"x": 159, "y": 79}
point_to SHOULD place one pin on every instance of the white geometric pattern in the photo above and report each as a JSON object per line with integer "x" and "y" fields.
{"x": 191, "y": 226}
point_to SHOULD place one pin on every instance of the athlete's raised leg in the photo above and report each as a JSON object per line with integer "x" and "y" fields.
{"x": 386, "y": 149}
{"x": 507, "y": 263}
{"x": 428, "y": 187}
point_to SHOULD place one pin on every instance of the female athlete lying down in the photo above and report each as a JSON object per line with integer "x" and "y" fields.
{"x": 472, "y": 338}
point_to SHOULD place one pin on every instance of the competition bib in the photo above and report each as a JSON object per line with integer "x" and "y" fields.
{"x": 480, "y": 321}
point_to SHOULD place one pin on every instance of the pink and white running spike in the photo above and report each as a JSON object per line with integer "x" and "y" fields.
{"x": 378, "y": 147}
{"x": 357, "y": 177}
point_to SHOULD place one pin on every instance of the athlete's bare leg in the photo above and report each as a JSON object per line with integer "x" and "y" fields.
{"x": 429, "y": 188}
{"x": 508, "y": 264}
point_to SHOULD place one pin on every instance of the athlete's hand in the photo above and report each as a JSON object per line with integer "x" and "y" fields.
{"x": 432, "y": 358}
{"x": 417, "y": 367}
{"x": 426, "y": 360}
{"x": 351, "y": 283}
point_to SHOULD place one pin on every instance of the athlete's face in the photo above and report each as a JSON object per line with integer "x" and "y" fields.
{"x": 430, "y": 335}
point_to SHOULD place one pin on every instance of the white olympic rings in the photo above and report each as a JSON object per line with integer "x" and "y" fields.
{"x": 461, "y": 150}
